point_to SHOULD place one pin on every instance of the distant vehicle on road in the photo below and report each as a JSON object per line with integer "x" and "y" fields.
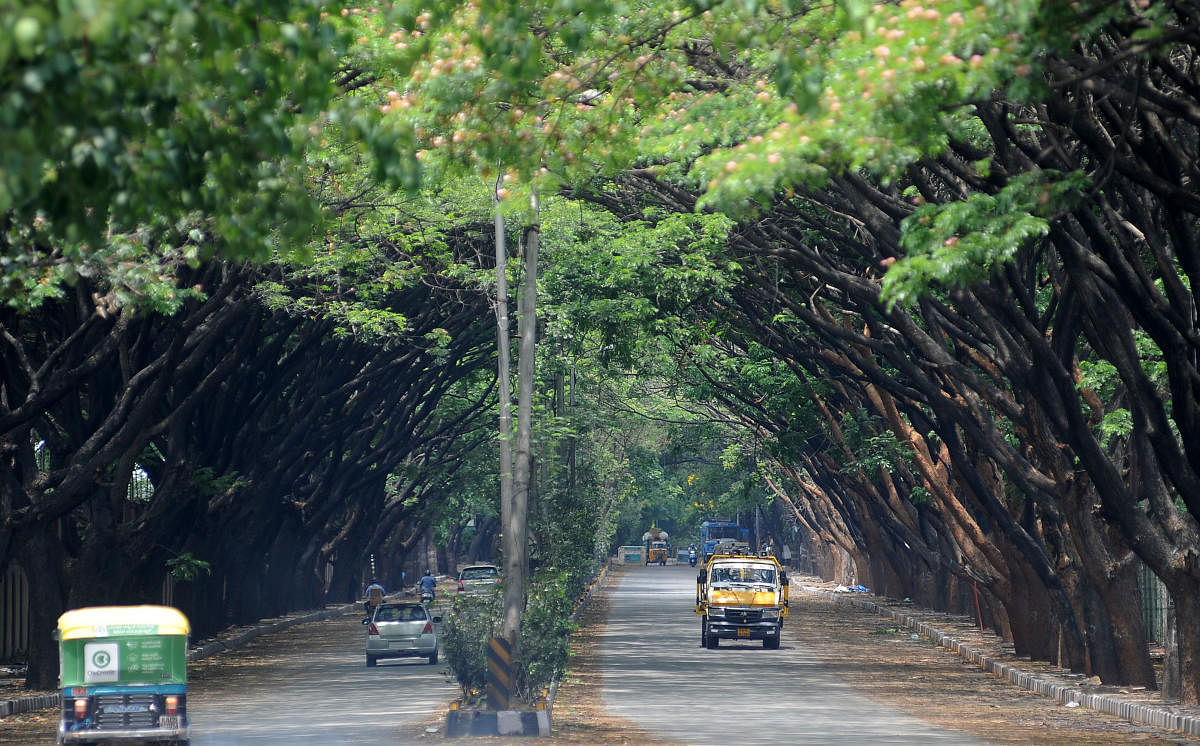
{"x": 399, "y": 630}
{"x": 657, "y": 553}
{"x": 478, "y": 578}
{"x": 123, "y": 675}
{"x": 657, "y": 549}
{"x": 722, "y": 535}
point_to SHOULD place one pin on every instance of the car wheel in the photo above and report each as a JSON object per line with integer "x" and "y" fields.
{"x": 433, "y": 657}
{"x": 771, "y": 643}
{"x": 371, "y": 660}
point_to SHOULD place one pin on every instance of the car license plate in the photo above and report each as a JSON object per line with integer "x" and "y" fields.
{"x": 170, "y": 721}
{"x": 743, "y": 632}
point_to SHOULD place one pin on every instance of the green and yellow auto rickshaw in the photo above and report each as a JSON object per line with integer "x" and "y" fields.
{"x": 122, "y": 673}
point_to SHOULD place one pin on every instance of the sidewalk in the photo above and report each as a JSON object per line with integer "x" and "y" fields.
{"x": 960, "y": 635}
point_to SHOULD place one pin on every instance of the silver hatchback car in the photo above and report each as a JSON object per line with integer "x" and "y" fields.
{"x": 478, "y": 578}
{"x": 399, "y": 630}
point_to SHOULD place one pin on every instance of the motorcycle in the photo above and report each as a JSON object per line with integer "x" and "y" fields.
{"x": 426, "y": 597}
{"x": 692, "y": 558}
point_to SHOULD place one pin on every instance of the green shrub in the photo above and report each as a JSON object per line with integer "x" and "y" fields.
{"x": 472, "y": 621}
{"x": 546, "y": 628}
{"x": 544, "y": 647}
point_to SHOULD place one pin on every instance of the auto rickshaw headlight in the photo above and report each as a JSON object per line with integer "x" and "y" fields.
{"x": 172, "y": 704}
{"x": 81, "y": 708}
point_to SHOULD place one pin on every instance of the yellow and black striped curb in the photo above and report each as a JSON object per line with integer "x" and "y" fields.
{"x": 1157, "y": 716}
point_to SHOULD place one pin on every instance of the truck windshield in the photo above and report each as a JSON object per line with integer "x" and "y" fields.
{"x": 743, "y": 574}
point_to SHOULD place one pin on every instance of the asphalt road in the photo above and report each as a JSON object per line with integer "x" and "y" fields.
{"x": 657, "y": 675}
{"x": 310, "y": 685}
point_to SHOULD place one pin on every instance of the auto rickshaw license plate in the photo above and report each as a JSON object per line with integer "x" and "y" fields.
{"x": 743, "y": 632}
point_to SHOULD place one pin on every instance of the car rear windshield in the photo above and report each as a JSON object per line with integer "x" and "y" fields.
{"x": 479, "y": 573}
{"x": 400, "y": 614}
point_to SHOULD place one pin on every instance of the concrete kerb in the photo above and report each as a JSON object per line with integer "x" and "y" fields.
{"x": 217, "y": 646}
{"x": 1136, "y": 712}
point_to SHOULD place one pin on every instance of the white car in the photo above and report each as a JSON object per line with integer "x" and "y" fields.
{"x": 398, "y": 630}
{"x": 478, "y": 578}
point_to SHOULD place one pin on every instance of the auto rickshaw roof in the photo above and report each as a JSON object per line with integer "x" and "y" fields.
{"x": 118, "y": 621}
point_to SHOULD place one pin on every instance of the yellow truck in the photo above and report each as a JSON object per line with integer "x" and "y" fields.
{"x": 657, "y": 554}
{"x": 657, "y": 550}
{"x": 741, "y": 597}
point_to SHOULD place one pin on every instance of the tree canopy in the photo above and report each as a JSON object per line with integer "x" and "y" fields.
{"x": 913, "y": 277}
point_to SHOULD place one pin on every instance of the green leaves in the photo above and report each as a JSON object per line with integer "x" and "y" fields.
{"x": 959, "y": 243}
{"x": 125, "y": 118}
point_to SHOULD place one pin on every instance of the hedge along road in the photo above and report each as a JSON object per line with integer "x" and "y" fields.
{"x": 657, "y": 675}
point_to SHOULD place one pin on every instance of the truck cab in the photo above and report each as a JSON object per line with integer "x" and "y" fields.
{"x": 657, "y": 554}
{"x": 741, "y": 597}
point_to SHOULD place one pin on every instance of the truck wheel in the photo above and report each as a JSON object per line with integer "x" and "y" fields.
{"x": 712, "y": 642}
{"x": 771, "y": 643}
{"x": 703, "y": 633}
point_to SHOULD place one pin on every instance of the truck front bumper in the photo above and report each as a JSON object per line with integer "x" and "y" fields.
{"x": 732, "y": 630}
{"x": 127, "y": 735}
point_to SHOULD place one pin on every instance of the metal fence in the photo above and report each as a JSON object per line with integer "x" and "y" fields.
{"x": 14, "y": 614}
{"x": 1155, "y": 602}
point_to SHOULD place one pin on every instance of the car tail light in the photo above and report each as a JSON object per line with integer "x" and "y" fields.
{"x": 172, "y": 703}
{"x": 428, "y": 628}
{"x": 373, "y": 630}
{"x": 460, "y": 586}
{"x": 81, "y": 708}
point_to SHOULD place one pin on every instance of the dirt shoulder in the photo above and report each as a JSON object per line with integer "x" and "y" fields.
{"x": 887, "y": 664}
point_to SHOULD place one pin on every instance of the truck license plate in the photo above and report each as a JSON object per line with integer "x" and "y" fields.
{"x": 743, "y": 632}
{"x": 169, "y": 721}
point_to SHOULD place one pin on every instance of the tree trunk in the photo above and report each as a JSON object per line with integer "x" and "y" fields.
{"x": 42, "y": 560}
{"x": 1187, "y": 625}
{"x": 522, "y": 473}
{"x": 510, "y": 522}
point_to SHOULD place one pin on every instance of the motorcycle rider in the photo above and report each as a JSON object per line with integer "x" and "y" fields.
{"x": 427, "y": 583}
{"x": 373, "y": 596}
